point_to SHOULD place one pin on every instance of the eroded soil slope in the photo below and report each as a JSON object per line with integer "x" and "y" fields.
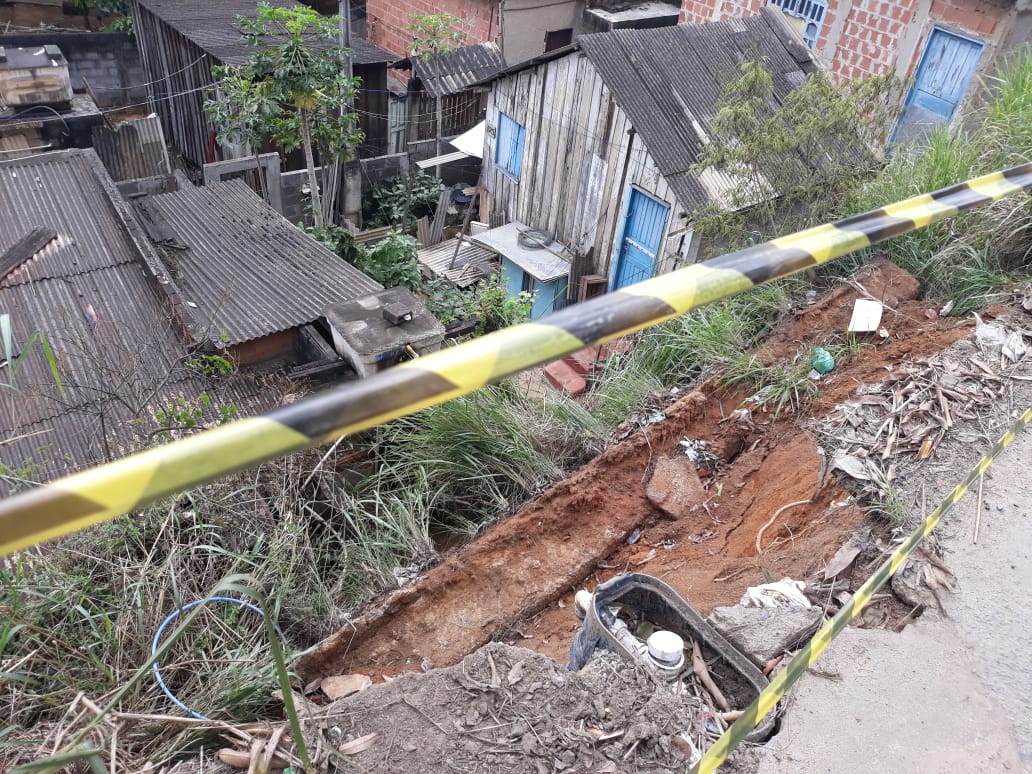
{"x": 516, "y": 581}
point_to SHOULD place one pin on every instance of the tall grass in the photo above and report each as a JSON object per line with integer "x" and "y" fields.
{"x": 486, "y": 453}
{"x": 80, "y": 617}
{"x": 970, "y": 258}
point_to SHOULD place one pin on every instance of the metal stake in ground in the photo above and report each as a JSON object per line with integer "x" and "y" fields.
{"x": 803, "y": 660}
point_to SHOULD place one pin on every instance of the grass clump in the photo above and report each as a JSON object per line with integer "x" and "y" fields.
{"x": 971, "y": 258}
{"x": 81, "y": 617}
{"x": 485, "y": 453}
{"x": 696, "y": 345}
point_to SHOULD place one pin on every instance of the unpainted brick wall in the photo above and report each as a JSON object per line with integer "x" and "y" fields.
{"x": 388, "y": 20}
{"x": 866, "y": 34}
{"x": 696, "y": 11}
{"x": 870, "y": 36}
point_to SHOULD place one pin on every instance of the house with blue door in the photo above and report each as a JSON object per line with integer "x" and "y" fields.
{"x": 940, "y": 50}
{"x": 589, "y": 151}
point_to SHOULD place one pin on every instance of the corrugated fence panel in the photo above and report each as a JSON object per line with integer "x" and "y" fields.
{"x": 132, "y": 150}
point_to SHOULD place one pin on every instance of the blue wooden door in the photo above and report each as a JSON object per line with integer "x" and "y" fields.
{"x": 943, "y": 76}
{"x": 639, "y": 246}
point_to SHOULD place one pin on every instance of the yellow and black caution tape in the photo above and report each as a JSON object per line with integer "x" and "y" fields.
{"x": 101, "y": 493}
{"x": 806, "y": 657}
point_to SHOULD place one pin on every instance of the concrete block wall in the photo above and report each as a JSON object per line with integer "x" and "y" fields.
{"x": 388, "y": 20}
{"x": 110, "y": 61}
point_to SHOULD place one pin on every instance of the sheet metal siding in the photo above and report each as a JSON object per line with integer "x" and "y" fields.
{"x": 134, "y": 149}
{"x": 249, "y": 270}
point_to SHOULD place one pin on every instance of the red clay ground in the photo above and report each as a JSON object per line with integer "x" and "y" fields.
{"x": 517, "y": 580}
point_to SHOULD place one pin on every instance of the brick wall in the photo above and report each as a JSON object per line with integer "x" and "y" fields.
{"x": 860, "y": 38}
{"x": 981, "y": 19}
{"x": 696, "y": 11}
{"x": 870, "y": 36}
{"x": 388, "y": 20}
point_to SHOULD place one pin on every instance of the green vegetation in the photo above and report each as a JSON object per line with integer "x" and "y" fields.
{"x": 14, "y": 358}
{"x": 433, "y": 36}
{"x": 384, "y": 204}
{"x": 392, "y": 262}
{"x": 293, "y": 91}
{"x": 102, "y": 9}
{"x": 971, "y": 258}
{"x": 792, "y": 162}
{"x": 320, "y": 533}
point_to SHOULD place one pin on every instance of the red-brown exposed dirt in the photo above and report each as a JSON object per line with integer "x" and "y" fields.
{"x": 516, "y": 582}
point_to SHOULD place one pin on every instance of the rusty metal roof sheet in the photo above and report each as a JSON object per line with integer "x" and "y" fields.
{"x": 470, "y": 265}
{"x": 456, "y": 70}
{"x": 212, "y": 26}
{"x": 245, "y": 269}
{"x": 98, "y": 292}
{"x": 133, "y": 149}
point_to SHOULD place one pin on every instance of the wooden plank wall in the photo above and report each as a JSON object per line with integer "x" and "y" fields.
{"x": 371, "y": 103}
{"x": 579, "y": 159}
{"x": 177, "y": 66}
{"x": 179, "y": 71}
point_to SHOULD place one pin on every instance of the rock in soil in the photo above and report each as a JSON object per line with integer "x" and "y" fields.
{"x": 765, "y": 633}
{"x": 675, "y": 487}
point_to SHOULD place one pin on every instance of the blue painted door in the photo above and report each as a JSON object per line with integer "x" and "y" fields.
{"x": 639, "y": 246}
{"x": 943, "y": 76}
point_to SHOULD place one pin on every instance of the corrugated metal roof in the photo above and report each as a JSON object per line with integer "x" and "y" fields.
{"x": 471, "y": 265}
{"x": 21, "y": 144}
{"x": 97, "y": 292}
{"x": 669, "y": 80}
{"x": 248, "y": 270}
{"x": 444, "y": 158}
{"x": 133, "y": 149}
{"x": 545, "y": 262}
{"x": 93, "y": 434}
{"x": 212, "y": 26}
{"x": 455, "y": 70}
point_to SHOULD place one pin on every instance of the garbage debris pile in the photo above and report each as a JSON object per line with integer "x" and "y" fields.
{"x": 911, "y": 411}
{"x": 646, "y": 623}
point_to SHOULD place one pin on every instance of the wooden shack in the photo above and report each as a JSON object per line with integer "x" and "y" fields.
{"x": 448, "y": 77}
{"x": 181, "y": 40}
{"x": 594, "y": 145}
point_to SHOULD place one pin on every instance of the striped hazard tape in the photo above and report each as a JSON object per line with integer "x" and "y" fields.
{"x": 104, "y": 492}
{"x": 805, "y": 658}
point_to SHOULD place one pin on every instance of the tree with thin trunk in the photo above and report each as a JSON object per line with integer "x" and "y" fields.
{"x": 293, "y": 91}
{"x": 433, "y": 36}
